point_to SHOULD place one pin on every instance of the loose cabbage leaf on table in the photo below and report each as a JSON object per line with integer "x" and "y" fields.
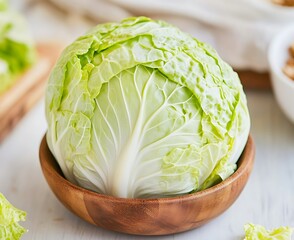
{"x": 9, "y": 218}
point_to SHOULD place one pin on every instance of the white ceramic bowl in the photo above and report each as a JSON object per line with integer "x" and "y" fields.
{"x": 282, "y": 85}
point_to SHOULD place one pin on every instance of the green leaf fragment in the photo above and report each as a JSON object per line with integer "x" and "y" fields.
{"x": 9, "y": 218}
{"x": 258, "y": 232}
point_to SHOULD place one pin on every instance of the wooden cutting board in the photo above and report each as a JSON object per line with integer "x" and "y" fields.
{"x": 28, "y": 89}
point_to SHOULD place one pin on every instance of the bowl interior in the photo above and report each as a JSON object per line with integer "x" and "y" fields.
{"x": 158, "y": 216}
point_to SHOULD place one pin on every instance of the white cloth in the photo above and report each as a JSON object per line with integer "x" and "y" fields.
{"x": 240, "y": 30}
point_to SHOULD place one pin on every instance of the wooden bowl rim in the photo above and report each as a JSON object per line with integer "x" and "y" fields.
{"x": 245, "y": 161}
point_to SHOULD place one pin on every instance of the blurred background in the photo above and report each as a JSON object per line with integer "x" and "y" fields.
{"x": 239, "y": 30}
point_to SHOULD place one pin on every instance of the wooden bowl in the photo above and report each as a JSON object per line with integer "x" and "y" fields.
{"x": 147, "y": 216}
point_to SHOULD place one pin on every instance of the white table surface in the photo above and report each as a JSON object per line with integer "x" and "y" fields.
{"x": 268, "y": 198}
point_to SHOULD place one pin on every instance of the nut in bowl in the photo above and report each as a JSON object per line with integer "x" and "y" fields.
{"x": 278, "y": 56}
{"x": 158, "y": 216}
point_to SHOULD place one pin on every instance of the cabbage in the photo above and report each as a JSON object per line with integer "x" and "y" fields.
{"x": 16, "y": 47}
{"x": 9, "y": 218}
{"x": 139, "y": 109}
{"x": 254, "y": 232}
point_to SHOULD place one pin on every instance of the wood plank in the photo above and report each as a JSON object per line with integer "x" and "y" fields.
{"x": 254, "y": 80}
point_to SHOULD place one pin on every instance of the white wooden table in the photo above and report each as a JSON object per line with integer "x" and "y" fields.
{"x": 268, "y": 198}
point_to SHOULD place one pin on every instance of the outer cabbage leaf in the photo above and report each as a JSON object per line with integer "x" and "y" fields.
{"x": 16, "y": 47}
{"x": 258, "y": 232}
{"x": 141, "y": 109}
{"x": 9, "y": 218}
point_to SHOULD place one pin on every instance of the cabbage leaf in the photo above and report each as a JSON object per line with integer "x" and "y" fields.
{"x": 258, "y": 232}
{"x": 9, "y": 218}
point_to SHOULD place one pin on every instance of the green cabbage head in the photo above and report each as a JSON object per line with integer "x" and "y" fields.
{"x": 139, "y": 109}
{"x": 17, "y": 52}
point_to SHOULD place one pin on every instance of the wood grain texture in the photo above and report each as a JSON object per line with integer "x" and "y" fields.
{"x": 252, "y": 80}
{"x": 27, "y": 90}
{"x": 147, "y": 216}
